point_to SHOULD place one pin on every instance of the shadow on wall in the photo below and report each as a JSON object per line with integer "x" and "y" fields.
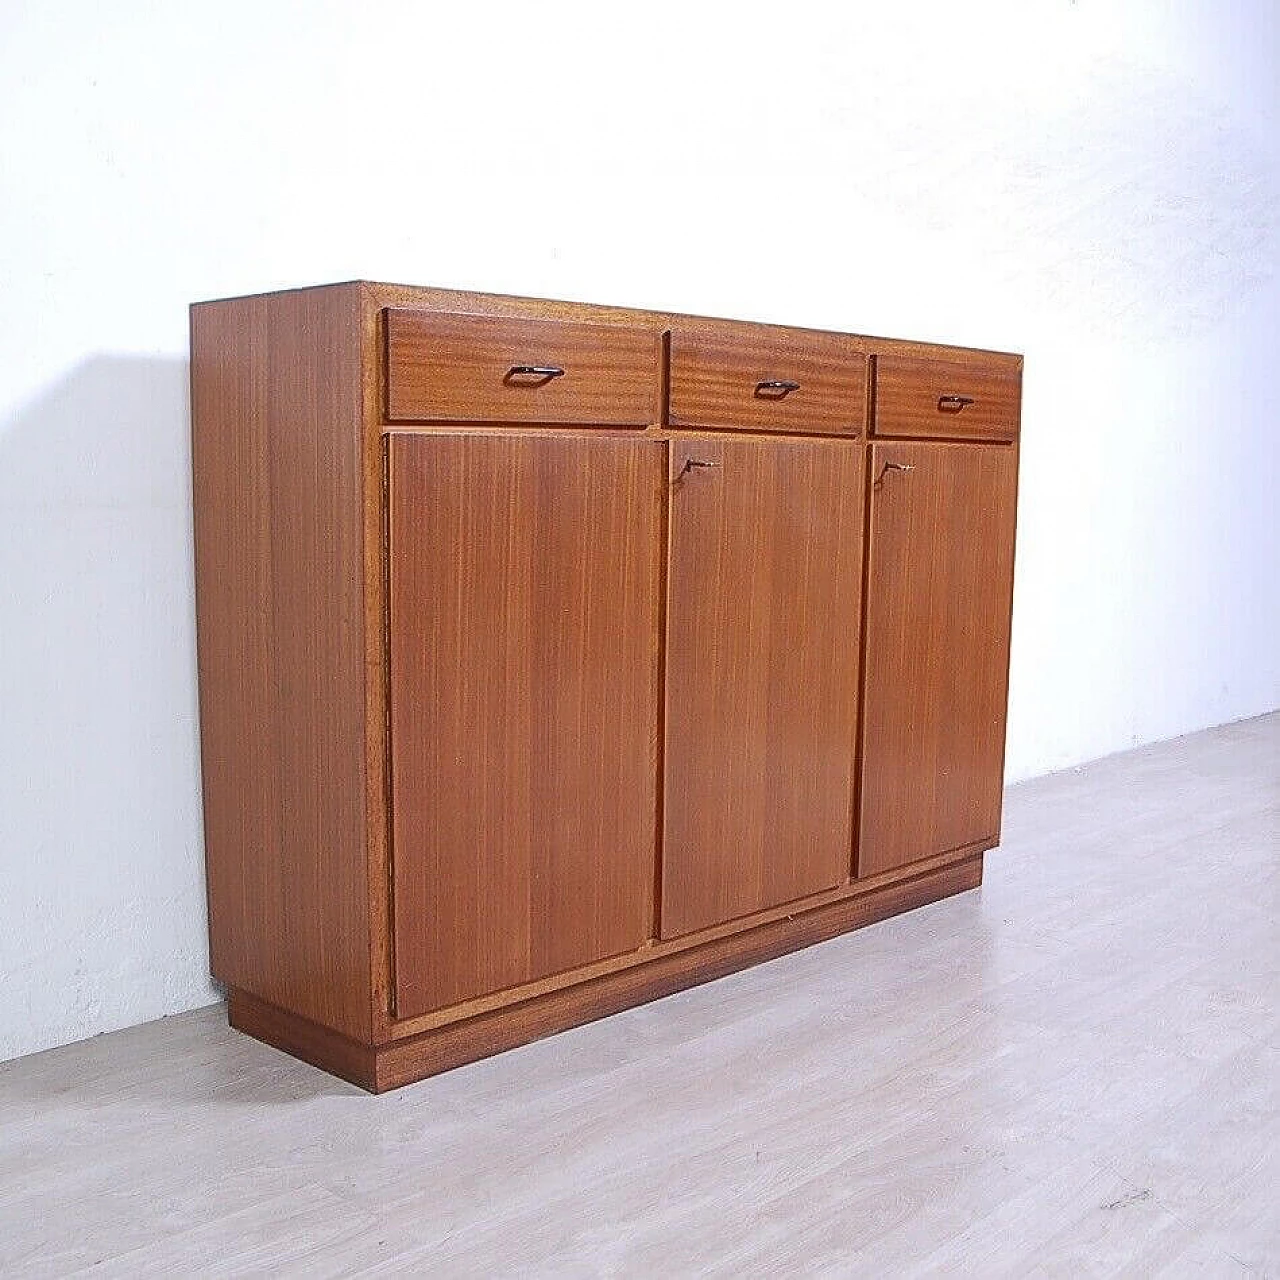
{"x": 102, "y": 919}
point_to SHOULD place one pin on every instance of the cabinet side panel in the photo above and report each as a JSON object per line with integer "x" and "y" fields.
{"x": 278, "y": 487}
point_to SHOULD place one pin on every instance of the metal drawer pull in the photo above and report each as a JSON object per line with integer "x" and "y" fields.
{"x": 776, "y": 388}
{"x": 543, "y": 371}
{"x": 953, "y": 404}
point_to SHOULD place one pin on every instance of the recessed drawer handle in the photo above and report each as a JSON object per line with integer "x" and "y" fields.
{"x": 542, "y": 372}
{"x": 953, "y": 404}
{"x": 776, "y": 388}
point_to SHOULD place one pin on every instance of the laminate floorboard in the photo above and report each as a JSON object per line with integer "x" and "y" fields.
{"x": 1074, "y": 1070}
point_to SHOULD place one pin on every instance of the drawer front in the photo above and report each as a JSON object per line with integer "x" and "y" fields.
{"x": 947, "y": 399}
{"x": 809, "y": 382}
{"x": 465, "y": 368}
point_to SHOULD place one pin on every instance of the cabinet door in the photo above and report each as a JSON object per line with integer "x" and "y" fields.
{"x": 939, "y": 583}
{"x": 525, "y": 580}
{"x": 762, "y": 672}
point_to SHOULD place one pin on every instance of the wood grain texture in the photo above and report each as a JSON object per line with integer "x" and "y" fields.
{"x": 939, "y": 587}
{"x": 407, "y": 1028}
{"x": 377, "y": 665}
{"x": 428, "y": 298}
{"x": 323, "y": 1047}
{"x": 914, "y": 397}
{"x": 762, "y": 669}
{"x": 525, "y": 581}
{"x": 716, "y": 375}
{"x": 452, "y": 1045}
{"x": 458, "y": 368}
{"x": 277, "y": 483}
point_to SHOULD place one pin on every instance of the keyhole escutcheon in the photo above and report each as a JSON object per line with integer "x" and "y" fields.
{"x": 690, "y": 464}
{"x": 892, "y": 466}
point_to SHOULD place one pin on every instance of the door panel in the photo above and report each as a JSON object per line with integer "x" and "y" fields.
{"x": 939, "y": 584}
{"x": 525, "y": 578}
{"x": 762, "y": 670}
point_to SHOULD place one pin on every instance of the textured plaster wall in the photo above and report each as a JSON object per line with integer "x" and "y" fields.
{"x": 1094, "y": 183}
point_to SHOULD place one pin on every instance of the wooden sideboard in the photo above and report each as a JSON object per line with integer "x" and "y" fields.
{"x": 555, "y": 657}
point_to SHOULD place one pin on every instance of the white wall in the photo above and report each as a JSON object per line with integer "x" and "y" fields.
{"x": 1093, "y": 183}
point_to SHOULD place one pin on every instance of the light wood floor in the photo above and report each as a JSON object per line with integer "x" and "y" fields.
{"x": 1073, "y": 1071}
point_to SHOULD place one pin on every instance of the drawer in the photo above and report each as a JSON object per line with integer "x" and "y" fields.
{"x": 966, "y": 398}
{"x": 467, "y": 368}
{"x": 813, "y": 382}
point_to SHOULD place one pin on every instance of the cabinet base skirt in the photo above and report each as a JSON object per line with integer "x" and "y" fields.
{"x": 381, "y": 1067}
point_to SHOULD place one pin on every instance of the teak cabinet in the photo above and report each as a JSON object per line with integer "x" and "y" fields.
{"x": 556, "y": 657}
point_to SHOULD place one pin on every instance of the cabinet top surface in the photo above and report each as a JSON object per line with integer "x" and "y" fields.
{"x": 375, "y": 296}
